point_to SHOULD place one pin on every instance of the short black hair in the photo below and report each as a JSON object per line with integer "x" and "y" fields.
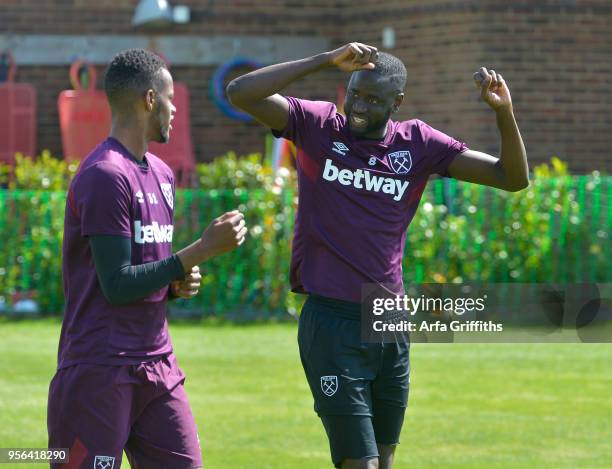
{"x": 391, "y": 67}
{"x": 131, "y": 73}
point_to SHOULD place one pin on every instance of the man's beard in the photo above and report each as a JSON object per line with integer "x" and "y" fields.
{"x": 163, "y": 137}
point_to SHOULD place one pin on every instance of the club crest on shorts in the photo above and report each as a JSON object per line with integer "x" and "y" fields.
{"x": 329, "y": 385}
{"x": 400, "y": 161}
{"x": 104, "y": 462}
{"x": 167, "y": 191}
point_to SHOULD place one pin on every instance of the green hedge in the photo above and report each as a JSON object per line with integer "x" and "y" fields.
{"x": 555, "y": 231}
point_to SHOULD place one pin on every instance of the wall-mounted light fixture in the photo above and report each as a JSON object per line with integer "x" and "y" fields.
{"x": 388, "y": 37}
{"x": 159, "y": 13}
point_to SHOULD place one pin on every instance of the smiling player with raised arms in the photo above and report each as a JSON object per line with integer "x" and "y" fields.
{"x": 360, "y": 181}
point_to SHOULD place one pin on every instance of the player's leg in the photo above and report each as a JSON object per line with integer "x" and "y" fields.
{"x": 339, "y": 370}
{"x": 164, "y": 434}
{"x": 387, "y": 422}
{"x": 89, "y": 413}
{"x": 351, "y": 441}
{"x": 368, "y": 463}
{"x": 387, "y": 456}
{"x": 389, "y": 401}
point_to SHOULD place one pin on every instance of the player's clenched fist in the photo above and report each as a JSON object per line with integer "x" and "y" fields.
{"x": 493, "y": 88}
{"x": 225, "y": 233}
{"x": 189, "y": 286}
{"x": 354, "y": 56}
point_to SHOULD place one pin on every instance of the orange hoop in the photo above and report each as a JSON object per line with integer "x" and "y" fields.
{"x": 75, "y": 79}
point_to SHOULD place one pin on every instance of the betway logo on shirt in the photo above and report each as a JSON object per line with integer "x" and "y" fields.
{"x": 364, "y": 179}
{"x": 154, "y": 233}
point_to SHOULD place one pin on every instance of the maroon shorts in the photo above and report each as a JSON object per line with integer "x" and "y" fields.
{"x": 98, "y": 411}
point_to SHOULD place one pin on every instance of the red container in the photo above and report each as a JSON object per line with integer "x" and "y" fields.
{"x": 17, "y": 116}
{"x": 85, "y": 116}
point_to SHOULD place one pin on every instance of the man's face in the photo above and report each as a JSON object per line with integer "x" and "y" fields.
{"x": 163, "y": 111}
{"x": 370, "y": 101}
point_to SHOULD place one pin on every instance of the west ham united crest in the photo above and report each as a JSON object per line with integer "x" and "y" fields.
{"x": 400, "y": 161}
{"x": 167, "y": 191}
{"x": 104, "y": 462}
{"x": 329, "y": 385}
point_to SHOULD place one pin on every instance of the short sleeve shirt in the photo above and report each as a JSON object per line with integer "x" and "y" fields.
{"x": 356, "y": 197}
{"x": 113, "y": 195}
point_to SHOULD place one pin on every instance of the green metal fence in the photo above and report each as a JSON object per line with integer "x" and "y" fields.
{"x": 556, "y": 231}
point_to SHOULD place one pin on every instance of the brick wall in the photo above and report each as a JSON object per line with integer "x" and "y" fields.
{"x": 555, "y": 55}
{"x": 213, "y": 133}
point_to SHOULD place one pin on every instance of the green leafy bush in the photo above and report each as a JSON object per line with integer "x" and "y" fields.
{"x": 253, "y": 278}
{"x": 42, "y": 173}
{"x": 556, "y": 230}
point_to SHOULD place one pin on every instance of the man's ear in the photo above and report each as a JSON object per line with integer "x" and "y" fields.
{"x": 399, "y": 98}
{"x": 149, "y": 100}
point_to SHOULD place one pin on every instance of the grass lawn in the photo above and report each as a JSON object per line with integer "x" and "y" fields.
{"x": 471, "y": 405}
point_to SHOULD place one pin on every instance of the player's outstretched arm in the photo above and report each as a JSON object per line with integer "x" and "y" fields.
{"x": 256, "y": 92}
{"x": 122, "y": 282}
{"x": 509, "y": 172}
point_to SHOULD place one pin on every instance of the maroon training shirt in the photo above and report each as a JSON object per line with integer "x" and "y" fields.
{"x": 356, "y": 197}
{"x": 113, "y": 195}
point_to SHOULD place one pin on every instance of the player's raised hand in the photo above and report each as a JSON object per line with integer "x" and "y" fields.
{"x": 225, "y": 233}
{"x": 189, "y": 286}
{"x": 354, "y": 56}
{"x": 493, "y": 88}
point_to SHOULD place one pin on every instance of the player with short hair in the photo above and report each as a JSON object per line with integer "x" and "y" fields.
{"x": 118, "y": 386}
{"x": 360, "y": 181}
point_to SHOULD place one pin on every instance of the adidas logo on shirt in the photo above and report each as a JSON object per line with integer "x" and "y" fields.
{"x": 154, "y": 233}
{"x": 364, "y": 179}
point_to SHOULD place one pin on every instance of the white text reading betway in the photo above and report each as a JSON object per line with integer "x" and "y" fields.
{"x": 154, "y": 233}
{"x": 364, "y": 179}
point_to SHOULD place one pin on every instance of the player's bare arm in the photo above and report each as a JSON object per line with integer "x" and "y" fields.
{"x": 510, "y": 171}
{"x": 224, "y": 234}
{"x": 257, "y": 92}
